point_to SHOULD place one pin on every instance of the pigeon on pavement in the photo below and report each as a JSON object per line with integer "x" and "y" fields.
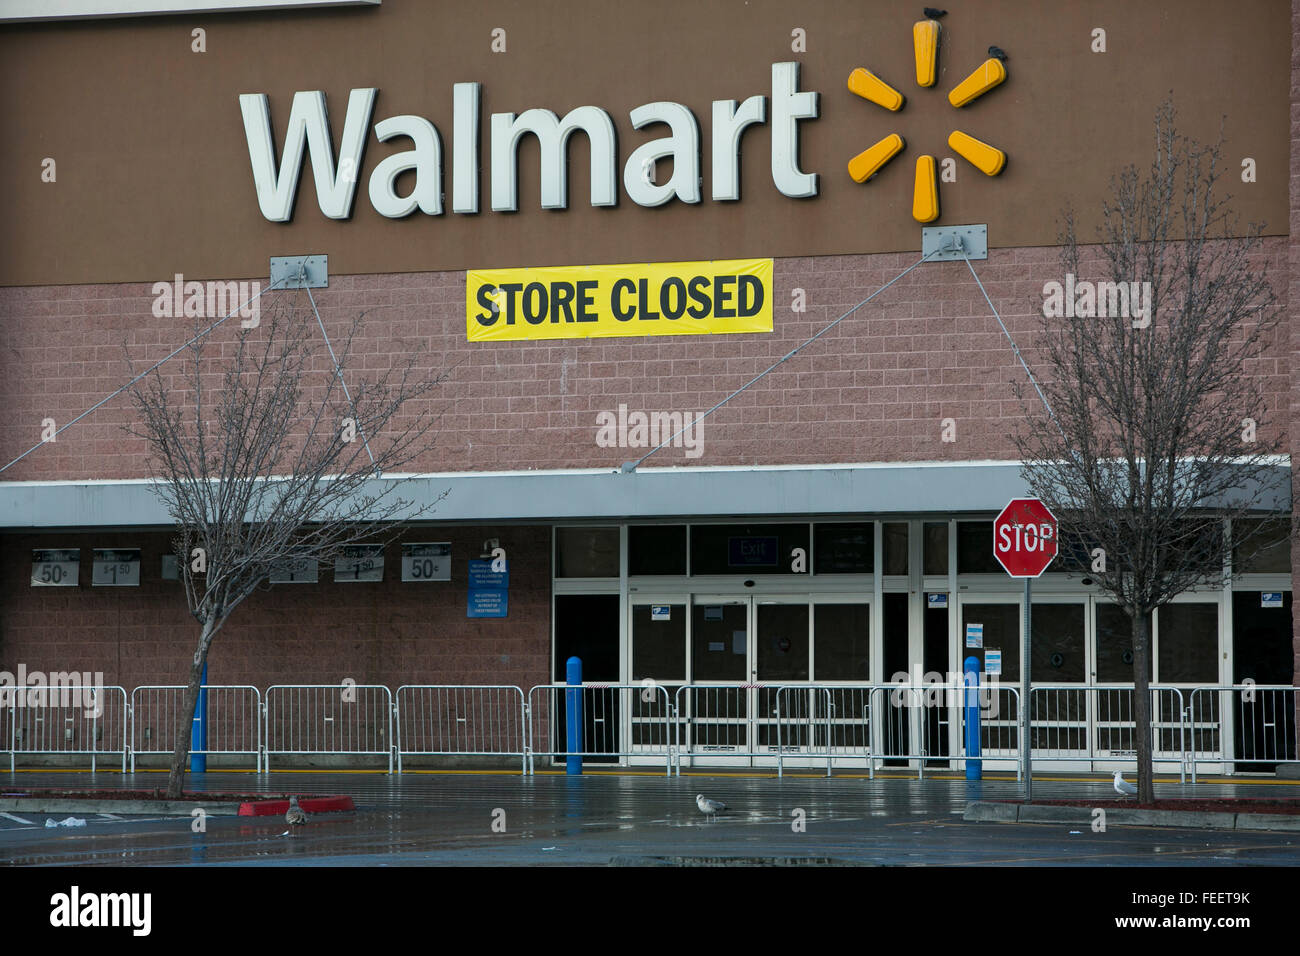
{"x": 710, "y": 808}
{"x": 1122, "y": 786}
{"x": 295, "y": 816}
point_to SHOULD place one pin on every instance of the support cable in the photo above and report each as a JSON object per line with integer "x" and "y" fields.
{"x": 1015, "y": 348}
{"x": 338, "y": 371}
{"x": 631, "y": 466}
{"x": 151, "y": 368}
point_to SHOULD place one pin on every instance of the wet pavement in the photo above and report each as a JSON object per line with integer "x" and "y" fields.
{"x": 474, "y": 819}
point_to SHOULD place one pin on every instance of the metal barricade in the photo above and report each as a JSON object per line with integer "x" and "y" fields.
{"x": 849, "y": 726}
{"x": 925, "y": 724}
{"x": 65, "y": 719}
{"x": 615, "y": 722}
{"x": 1250, "y": 724}
{"x": 803, "y": 728}
{"x": 344, "y": 718}
{"x": 461, "y": 720}
{"x": 234, "y": 720}
{"x": 722, "y": 722}
{"x": 1087, "y": 724}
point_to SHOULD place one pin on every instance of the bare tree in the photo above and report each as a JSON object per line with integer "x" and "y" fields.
{"x": 1158, "y": 429}
{"x": 266, "y": 455}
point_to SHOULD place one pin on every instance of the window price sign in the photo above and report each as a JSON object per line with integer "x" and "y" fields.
{"x": 56, "y": 569}
{"x": 364, "y": 562}
{"x": 296, "y": 570}
{"x": 426, "y": 561}
{"x": 116, "y": 569}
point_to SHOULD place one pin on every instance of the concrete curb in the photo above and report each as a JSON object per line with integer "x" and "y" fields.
{"x": 1261, "y": 821}
{"x": 983, "y": 811}
{"x": 153, "y": 808}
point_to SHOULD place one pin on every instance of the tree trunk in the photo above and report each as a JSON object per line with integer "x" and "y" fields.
{"x": 176, "y": 777}
{"x": 1142, "y": 705}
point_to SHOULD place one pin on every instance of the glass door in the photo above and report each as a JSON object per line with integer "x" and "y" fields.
{"x": 716, "y": 709}
{"x": 658, "y": 657}
{"x": 989, "y": 629}
{"x": 1066, "y": 709}
{"x": 784, "y": 712}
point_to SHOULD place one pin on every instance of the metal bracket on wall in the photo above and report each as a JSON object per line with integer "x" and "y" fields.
{"x": 301, "y": 272}
{"x": 950, "y": 243}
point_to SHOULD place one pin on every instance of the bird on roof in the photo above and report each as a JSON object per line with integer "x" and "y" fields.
{"x": 998, "y": 53}
{"x": 295, "y": 816}
{"x": 934, "y": 14}
{"x": 1122, "y": 786}
{"x": 710, "y": 808}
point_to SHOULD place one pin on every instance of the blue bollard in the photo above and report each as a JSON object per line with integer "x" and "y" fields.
{"x": 974, "y": 768}
{"x": 199, "y": 728}
{"x": 573, "y": 715}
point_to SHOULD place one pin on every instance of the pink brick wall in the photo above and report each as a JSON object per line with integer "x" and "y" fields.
{"x": 378, "y": 633}
{"x": 874, "y": 389}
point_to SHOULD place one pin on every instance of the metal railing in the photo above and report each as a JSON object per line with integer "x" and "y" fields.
{"x": 65, "y": 719}
{"x": 614, "y": 721}
{"x": 461, "y": 720}
{"x": 1242, "y": 727}
{"x": 803, "y": 728}
{"x": 334, "y": 719}
{"x": 234, "y": 720}
{"x": 1258, "y": 720}
{"x": 923, "y": 724}
{"x": 1081, "y": 723}
{"x": 723, "y": 722}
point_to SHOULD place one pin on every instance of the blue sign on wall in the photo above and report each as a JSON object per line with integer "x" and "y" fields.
{"x": 488, "y": 590}
{"x": 488, "y": 603}
{"x": 752, "y": 552}
{"x": 481, "y": 575}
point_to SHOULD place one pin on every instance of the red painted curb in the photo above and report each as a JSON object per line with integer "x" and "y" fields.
{"x": 268, "y": 808}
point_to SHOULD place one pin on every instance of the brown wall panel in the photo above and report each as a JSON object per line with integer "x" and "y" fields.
{"x": 154, "y": 176}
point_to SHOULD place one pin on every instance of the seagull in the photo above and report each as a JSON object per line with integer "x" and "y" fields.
{"x": 1122, "y": 786}
{"x": 295, "y": 816}
{"x": 997, "y": 53}
{"x": 709, "y": 808}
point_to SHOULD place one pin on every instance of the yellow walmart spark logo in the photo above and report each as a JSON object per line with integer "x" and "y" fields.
{"x": 987, "y": 159}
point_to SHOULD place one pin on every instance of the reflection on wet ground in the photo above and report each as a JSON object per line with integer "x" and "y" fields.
{"x": 489, "y": 819}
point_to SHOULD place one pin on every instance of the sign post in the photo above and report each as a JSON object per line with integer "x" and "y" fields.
{"x": 1024, "y": 543}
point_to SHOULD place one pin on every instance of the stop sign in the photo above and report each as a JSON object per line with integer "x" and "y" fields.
{"x": 1024, "y": 537}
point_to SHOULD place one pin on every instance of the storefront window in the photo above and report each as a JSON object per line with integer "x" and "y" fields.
{"x": 1115, "y": 645}
{"x": 936, "y": 547}
{"x": 656, "y": 549}
{"x": 975, "y": 548}
{"x": 746, "y": 549}
{"x": 586, "y": 552}
{"x": 1189, "y": 643}
{"x": 1265, "y": 547}
{"x": 894, "y": 541}
{"x": 844, "y": 548}
{"x": 842, "y": 636}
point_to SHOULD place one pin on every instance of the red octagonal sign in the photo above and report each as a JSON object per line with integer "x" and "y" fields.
{"x": 1024, "y": 538}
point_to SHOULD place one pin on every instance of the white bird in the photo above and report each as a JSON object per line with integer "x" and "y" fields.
{"x": 710, "y": 808}
{"x": 1122, "y": 786}
{"x": 295, "y": 816}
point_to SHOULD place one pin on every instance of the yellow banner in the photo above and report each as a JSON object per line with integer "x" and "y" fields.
{"x": 654, "y": 298}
